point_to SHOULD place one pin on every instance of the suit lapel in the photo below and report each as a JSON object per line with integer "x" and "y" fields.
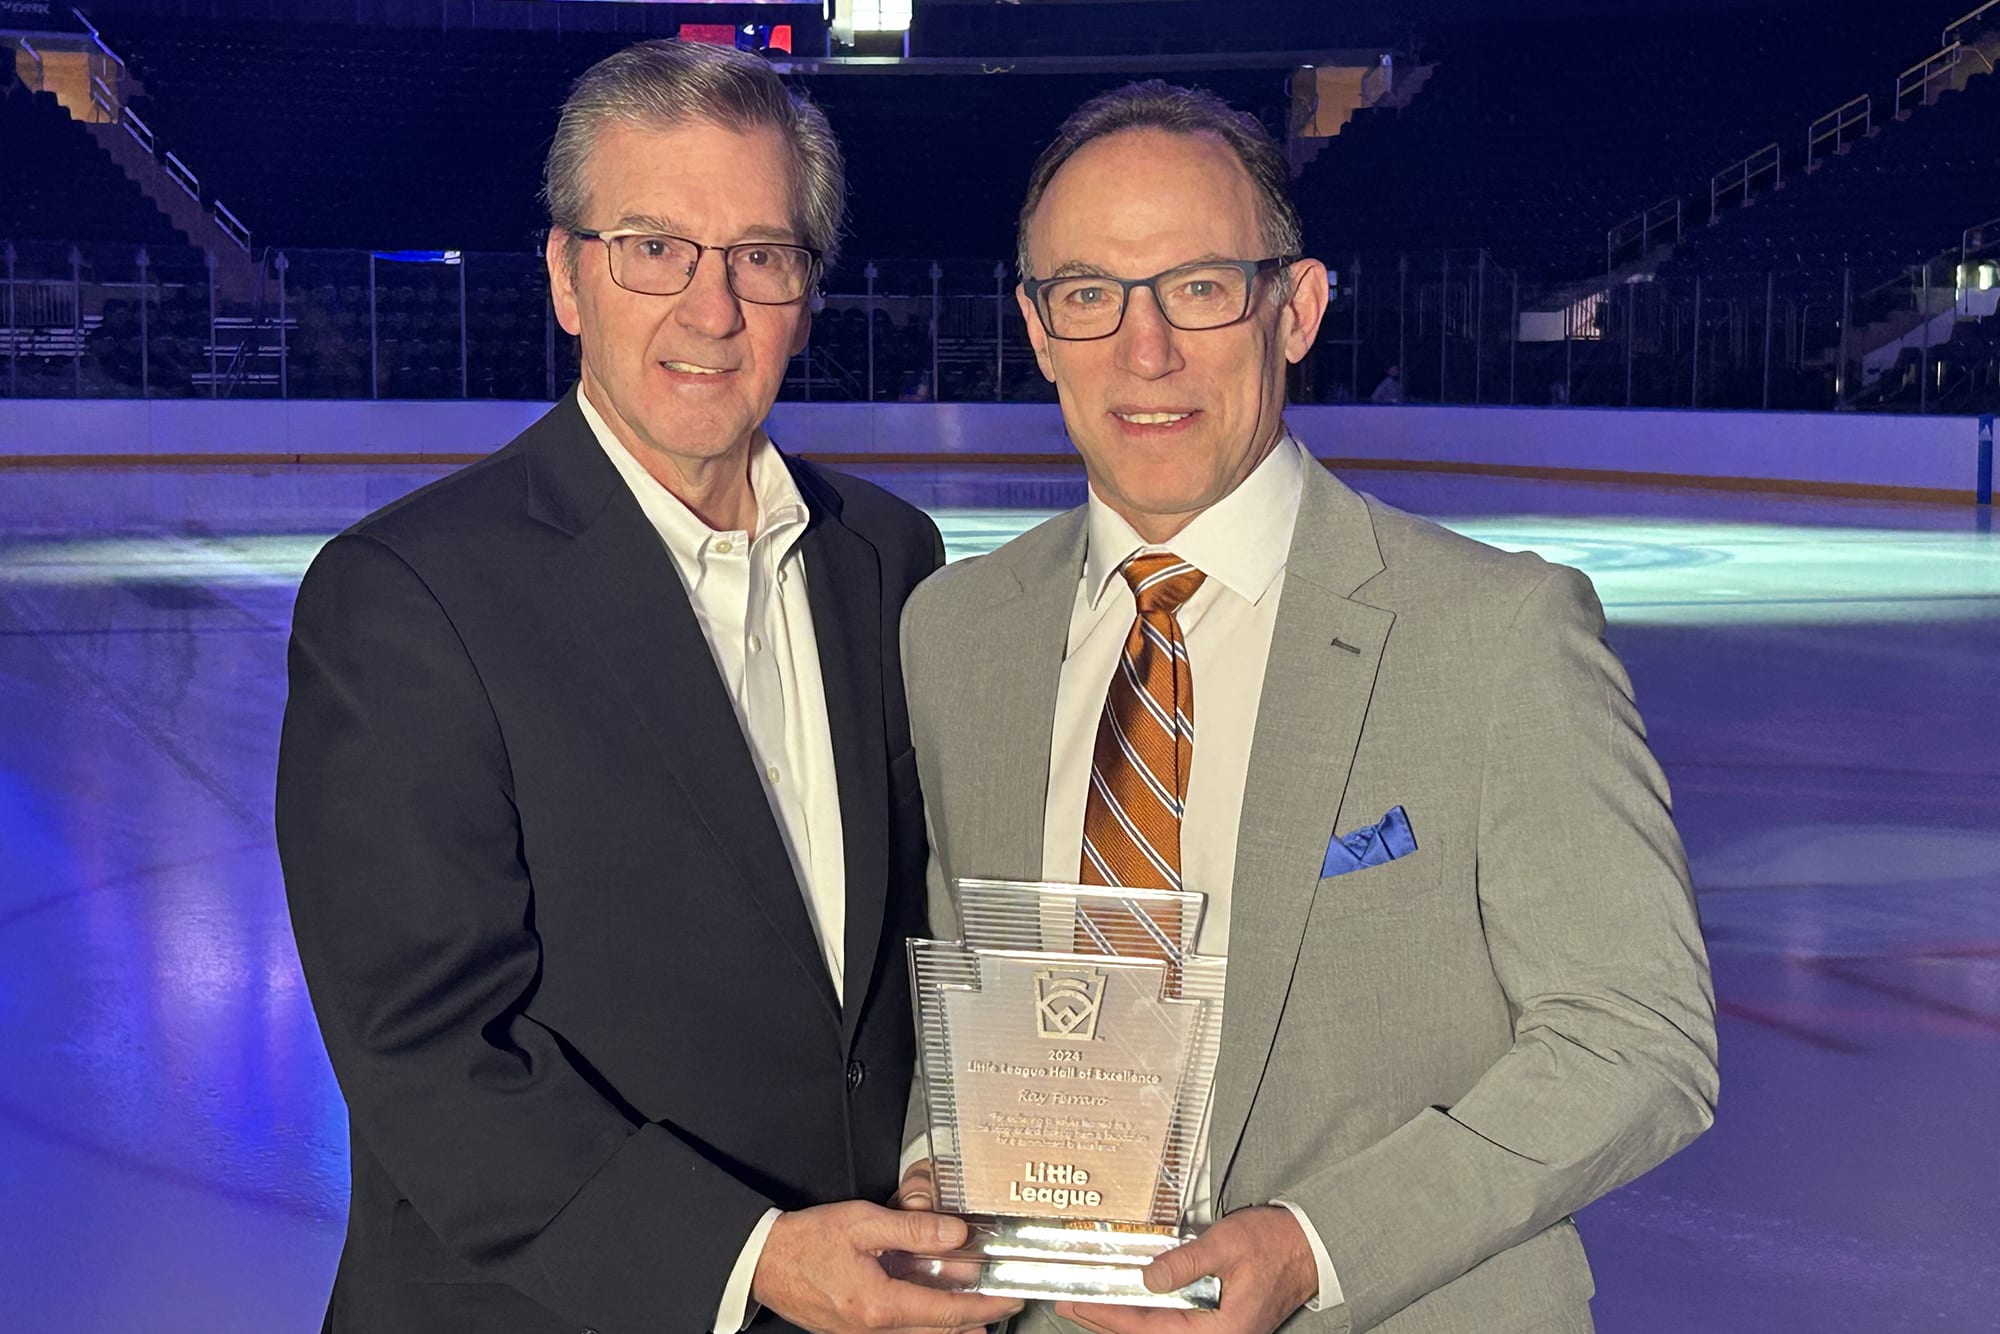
{"x": 1030, "y": 624}
{"x": 1325, "y": 651}
{"x": 844, "y": 585}
{"x": 620, "y": 587}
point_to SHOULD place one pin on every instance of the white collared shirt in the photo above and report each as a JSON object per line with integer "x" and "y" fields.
{"x": 1241, "y": 544}
{"x": 748, "y": 590}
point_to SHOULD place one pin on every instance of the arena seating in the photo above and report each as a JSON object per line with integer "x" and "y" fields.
{"x": 1529, "y": 139}
{"x": 1971, "y": 368}
{"x": 1526, "y": 138}
{"x": 396, "y": 138}
{"x": 1895, "y": 199}
{"x": 1116, "y": 28}
{"x": 417, "y": 326}
{"x": 938, "y": 162}
{"x": 57, "y": 185}
{"x": 360, "y": 137}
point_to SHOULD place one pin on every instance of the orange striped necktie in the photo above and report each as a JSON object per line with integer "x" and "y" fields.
{"x": 1145, "y": 746}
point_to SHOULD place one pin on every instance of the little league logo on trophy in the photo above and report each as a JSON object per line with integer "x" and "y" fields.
{"x": 1066, "y": 1003}
{"x": 1067, "y": 1045}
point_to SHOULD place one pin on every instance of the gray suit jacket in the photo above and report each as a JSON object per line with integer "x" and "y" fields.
{"x": 1439, "y": 1059}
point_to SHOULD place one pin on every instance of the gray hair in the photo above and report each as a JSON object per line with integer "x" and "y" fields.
{"x": 1158, "y": 105}
{"x": 667, "y": 83}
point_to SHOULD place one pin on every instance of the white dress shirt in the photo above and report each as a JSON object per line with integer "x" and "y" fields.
{"x": 748, "y": 589}
{"x": 1240, "y": 543}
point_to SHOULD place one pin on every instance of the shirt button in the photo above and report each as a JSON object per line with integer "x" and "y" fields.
{"x": 724, "y": 546}
{"x": 772, "y": 773}
{"x": 756, "y": 644}
{"x": 856, "y": 1072}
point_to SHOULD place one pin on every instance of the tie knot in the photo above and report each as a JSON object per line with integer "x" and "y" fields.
{"x": 1161, "y": 582}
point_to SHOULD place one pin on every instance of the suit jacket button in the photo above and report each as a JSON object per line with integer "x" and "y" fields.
{"x": 856, "y": 1072}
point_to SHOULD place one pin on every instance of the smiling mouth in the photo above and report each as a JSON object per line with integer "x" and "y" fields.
{"x": 689, "y": 368}
{"x": 1152, "y": 418}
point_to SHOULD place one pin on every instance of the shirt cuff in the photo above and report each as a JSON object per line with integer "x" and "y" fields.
{"x": 736, "y": 1310}
{"x": 1329, "y": 1282}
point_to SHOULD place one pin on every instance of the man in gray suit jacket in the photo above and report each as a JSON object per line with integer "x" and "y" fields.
{"x": 1467, "y": 990}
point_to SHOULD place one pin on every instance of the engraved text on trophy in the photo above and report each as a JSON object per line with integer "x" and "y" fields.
{"x": 1069, "y": 1105}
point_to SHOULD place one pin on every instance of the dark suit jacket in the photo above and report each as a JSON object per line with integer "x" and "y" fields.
{"x": 558, "y": 953}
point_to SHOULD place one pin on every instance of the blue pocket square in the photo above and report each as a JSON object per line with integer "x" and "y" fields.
{"x": 1377, "y": 845}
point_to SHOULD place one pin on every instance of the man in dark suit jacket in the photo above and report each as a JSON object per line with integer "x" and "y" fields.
{"x": 602, "y": 914}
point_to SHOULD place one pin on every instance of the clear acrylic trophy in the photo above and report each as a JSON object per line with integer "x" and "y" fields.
{"x": 1067, "y": 1047}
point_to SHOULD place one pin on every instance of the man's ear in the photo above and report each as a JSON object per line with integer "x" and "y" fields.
{"x": 1305, "y": 307}
{"x": 1038, "y": 337}
{"x": 562, "y": 280}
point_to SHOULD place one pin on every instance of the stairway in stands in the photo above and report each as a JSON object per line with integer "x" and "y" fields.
{"x": 57, "y": 186}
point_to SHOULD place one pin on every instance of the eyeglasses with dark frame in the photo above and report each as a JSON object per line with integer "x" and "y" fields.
{"x": 1192, "y": 297}
{"x": 763, "y": 273}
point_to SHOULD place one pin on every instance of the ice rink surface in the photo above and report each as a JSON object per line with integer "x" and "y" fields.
{"x": 1822, "y": 683}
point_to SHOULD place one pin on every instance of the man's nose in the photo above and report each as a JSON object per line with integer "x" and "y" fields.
{"x": 707, "y": 306}
{"x": 1146, "y": 346}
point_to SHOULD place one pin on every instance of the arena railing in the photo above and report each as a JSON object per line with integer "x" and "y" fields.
{"x": 1971, "y": 25}
{"x": 1832, "y": 129}
{"x": 231, "y": 226}
{"x": 104, "y": 99}
{"x": 1462, "y": 328}
{"x": 107, "y": 72}
{"x": 27, "y": 48}
{"x": 1921, "y": 83}
{"x": 142, "y": 133}
{"x": 183, "y": 176}
{"x": 1743, "y": 177}
{"x": 1640, "y": 227}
